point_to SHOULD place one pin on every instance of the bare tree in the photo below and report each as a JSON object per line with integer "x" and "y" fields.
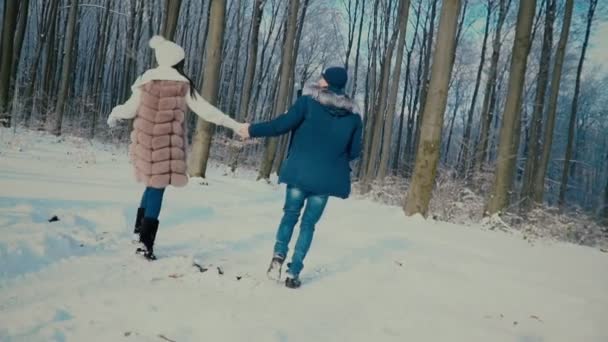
{"x": 539, "y": 105}
{"x": 505, "y": 167}
{"x": 6, "y": 59}
{"x": 572, "y": 126}
{"x": 427, "y": 158}
{"x": 201, "y": 142}
{"x": 169, "y": 25}
{"x": 463, "y": 167}
{"x": 66, "y": 70}
{"x": 404, "y": 9}
{"x": 490, "y": 92}
{"x": 283, "y": 90}
{"x": 539, "y": 180}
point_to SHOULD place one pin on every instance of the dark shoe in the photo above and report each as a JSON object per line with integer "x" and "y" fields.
{"x": 138, "y": 219}
{"x": 292, "y": 282}
{"x": 274, "y": 270}
{"x": 147, "y": 236}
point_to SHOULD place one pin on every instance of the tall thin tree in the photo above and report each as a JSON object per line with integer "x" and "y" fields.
{"x": 503, "y": 179}
{"x": 539, "y": 105}
{"x": 573, "y": 112}
{"x": 539, "y": 177}
{"x": 286, "y": 71}
{"x": 6, "y": 58}
{"x": 427, "y": 158}
{"x": 66, "y": 69}
{"x": 201, "y": 142}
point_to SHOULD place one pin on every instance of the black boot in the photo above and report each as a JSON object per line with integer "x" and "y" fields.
{"x": 292, "y": 281}
{"x": 138, "y": 219}
{"x": 149, "y": 227}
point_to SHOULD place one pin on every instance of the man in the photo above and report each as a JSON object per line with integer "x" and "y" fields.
{"x": 326, "y": 136}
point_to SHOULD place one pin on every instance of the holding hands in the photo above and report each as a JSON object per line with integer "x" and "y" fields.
{"x": 243, "y": 131}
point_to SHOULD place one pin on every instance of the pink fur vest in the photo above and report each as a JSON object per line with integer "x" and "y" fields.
{"x": 158, "y": 149}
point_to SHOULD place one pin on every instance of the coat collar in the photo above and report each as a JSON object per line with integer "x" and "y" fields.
{"x": 329, "y": 98}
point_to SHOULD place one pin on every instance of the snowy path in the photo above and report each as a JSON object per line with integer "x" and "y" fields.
{"x": 372, "y": 274}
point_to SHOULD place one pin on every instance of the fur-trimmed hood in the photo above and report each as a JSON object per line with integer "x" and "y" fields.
{"x": 339, "y": 104}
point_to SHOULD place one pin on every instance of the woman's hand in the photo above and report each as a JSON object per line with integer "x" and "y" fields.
{"x": 112, "y": 121}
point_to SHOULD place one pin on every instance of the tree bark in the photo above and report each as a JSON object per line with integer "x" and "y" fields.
{"x": 490, "y": 90}
{"x": 66, "y": 70}
{"x": 286, "y": 70}
{"x": 503, "y": 180}
{"x": 397, "y": 155}
{"x": 427, "y": 158}
{"x": 404, "y": 9}
{"x": 19, "y": 35}
{"x": 29, "y": 96}
{"x": 169, "y": 25}
{"x": 539, "y": 180}
{"x": 539, "y": 104}
{"x": 201, "y": 142}
{"x": 425, "y": 77}
{"x": 101, "y": 46}
{"x": 573, "y": 112}
{"x": 6, "y": 59}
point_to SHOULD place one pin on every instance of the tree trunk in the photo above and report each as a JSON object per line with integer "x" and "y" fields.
{"x": 169, "y": 25}
{"x": 286, "y": 70}
{"x": 19, "y": 35}
{"x": 33, "y": 74}
{"x": 539, "y": 105}
{"x": 499, "y": 198}
{"x": 352, "y": 24}
{"x": 243, "y": 112}
{"x": 397, "y": 156}
{"x": 539, "y": 180}
{"x": 258, "y": 10}
{"x": 452, "y": 121}
{"x": 101, "y": 46}
{"x": 490, "y": 91}
{"x": 404, "y": 9}
{"x": 6, "y": 59}
{"x": 66, "y": 70}
{"x": 573, "y": 112}
{"x": 380, "y": 111}
{"x": 427, "y": 158}
{"x": 356, "y": 72}
{"x": 201, "y": 142}
{"x": 463, "y": 167}
{"x": 425, "y": 76}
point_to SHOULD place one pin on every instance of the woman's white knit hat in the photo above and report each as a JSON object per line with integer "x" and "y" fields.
{"x": 167, "y": 52}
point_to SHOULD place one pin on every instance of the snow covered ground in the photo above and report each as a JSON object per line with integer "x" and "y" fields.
{"x": 372, "y": 274}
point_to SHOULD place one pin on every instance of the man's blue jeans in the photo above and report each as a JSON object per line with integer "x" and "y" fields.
{"x": 294, "y": 201}
{"x": 152, "y": 201}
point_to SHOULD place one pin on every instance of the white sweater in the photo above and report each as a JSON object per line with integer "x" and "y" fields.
{"x": 198, "y": 104}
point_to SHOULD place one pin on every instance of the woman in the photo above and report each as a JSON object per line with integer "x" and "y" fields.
{"x": 159, "y": 102}
{"x": 326, "y": 137}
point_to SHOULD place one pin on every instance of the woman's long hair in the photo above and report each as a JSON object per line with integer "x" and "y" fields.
{"x": 179, "y": 67}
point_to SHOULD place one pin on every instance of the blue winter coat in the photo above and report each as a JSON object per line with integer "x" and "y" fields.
{"x": 326, "y": 136}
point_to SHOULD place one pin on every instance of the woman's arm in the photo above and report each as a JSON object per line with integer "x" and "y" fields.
{"x": 127, "y": 110}
{"x": 210, "y": 113}
{"x": 282, "y": 124}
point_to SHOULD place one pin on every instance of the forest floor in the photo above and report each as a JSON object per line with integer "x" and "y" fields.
{"x": 372, "y": 273}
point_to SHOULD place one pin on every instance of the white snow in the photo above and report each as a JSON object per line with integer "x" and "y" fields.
{"x": 372, "y": 274}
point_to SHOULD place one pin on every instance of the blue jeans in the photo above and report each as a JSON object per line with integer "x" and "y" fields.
{"x": 294, "y": 201}
{"x": 152, "y": 201}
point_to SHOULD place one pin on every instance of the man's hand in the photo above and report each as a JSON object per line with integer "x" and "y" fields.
{"x": 243, "y": 132}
